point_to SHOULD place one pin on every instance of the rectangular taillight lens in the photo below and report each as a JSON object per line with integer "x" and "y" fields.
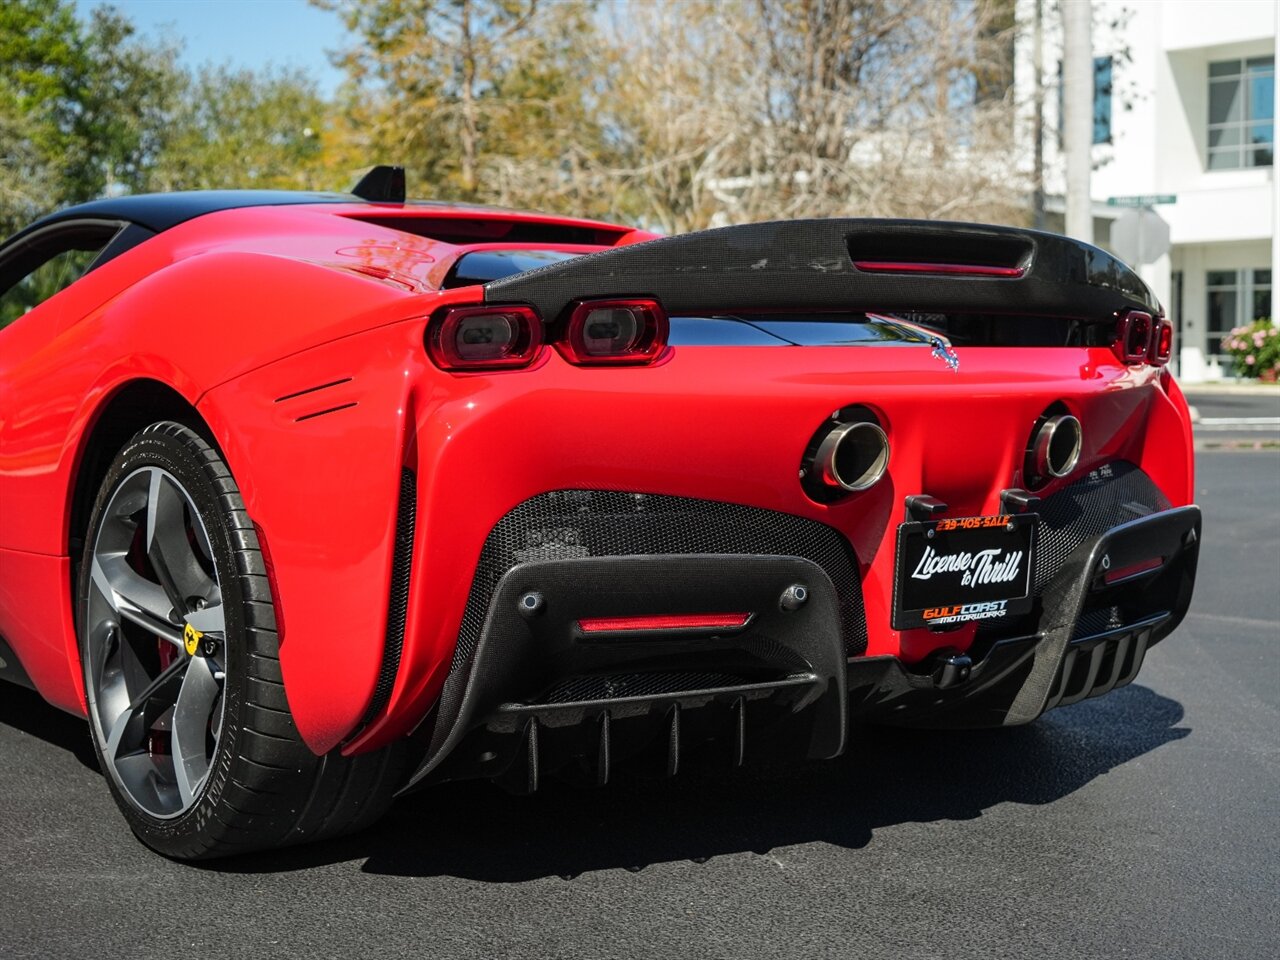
{"x": 1161, "y": 341}
{"x": 1132, "y": 341}
{"x": 615, "y": 332}
{"x": 485, "y": 338}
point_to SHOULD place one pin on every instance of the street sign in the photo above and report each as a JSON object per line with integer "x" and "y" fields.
{"x": 1142, "y": 200}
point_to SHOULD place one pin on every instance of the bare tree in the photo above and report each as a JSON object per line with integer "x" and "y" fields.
{"x": 687, "y": 113}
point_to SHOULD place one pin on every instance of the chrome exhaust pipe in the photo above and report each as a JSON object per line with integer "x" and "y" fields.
{"x": 853, "y": 456}
{"x": 1056, "y": 447}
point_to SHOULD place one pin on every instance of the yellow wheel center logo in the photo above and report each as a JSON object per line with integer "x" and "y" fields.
{"x": 191, "y": 639}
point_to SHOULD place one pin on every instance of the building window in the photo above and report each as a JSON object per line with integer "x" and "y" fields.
{"x": 1102, "y": 100}
{"x": 1236, "y": 298}
{"x": 1242, "y": 113}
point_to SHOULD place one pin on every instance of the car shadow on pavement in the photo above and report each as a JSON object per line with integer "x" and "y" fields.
{"x": 475, "y": 831}
{"x": 25, "y": 710}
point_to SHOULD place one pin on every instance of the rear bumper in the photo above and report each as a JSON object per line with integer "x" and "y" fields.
{"x": 375, "y": 576}
{"x": 537, "y": 694}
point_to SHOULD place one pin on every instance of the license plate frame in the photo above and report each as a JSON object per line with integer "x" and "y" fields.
{"x": 955, "y": 571}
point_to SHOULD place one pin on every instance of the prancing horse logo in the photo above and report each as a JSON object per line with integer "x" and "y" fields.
{"x": 191, "y": 638}
{"x": 942, "y": 350}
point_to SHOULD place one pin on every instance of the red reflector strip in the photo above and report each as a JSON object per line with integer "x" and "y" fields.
{"x": 960, "y": 269}
{"x": 692, "y": 621}
{"x": 1124, "y": 573}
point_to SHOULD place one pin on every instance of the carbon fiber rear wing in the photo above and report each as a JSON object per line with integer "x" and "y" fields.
{"x": 846, "y": 265}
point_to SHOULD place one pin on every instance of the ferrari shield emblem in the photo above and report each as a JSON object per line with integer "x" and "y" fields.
{"x": 191, "y": 639}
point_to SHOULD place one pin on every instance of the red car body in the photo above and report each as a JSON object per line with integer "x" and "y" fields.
{"x": 297, "y": 332}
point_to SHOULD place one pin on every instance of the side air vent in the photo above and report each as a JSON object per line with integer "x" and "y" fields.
{"x": 398, "y": 603}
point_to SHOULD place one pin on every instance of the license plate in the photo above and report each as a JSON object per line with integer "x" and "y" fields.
{"x": 962, "y": 570}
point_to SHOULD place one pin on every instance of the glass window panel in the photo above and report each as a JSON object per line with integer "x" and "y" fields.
{"x": 1256, "y": 64}
{"x": 1261, "y": 156}
{"x": 1261, "y": 304}
{"x": 54, "y": 275}
{"x": 1102, "y": 100}
{"x": 1222, "y": 309}
{"x": 1228, "y": 159}
{"x": 1225, "y": 136}
{"x": 1224, "y": 68}
{"x": 1221, "y": 278}
{"x": 1225, "y": 101}
{"x": 1262, "y": 97}
{"x": 1262, "y": 277}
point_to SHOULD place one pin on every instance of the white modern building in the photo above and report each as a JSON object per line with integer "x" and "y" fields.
{"x": 1184, "y": 116}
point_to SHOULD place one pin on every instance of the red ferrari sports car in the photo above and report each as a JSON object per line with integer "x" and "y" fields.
{"x": 310, "y": 499}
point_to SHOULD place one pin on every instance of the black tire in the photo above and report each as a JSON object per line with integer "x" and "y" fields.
{"x": 262, "y": 787}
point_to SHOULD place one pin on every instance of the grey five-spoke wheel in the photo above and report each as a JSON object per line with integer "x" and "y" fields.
{"x": 155, "y": 643}
{"x": 180, "y": 649}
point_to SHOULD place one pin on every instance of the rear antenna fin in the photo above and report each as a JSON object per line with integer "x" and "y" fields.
{"x": 382, "y": 184}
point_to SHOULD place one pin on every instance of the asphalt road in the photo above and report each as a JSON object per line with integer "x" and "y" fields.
{"x": 1142, "y": 824}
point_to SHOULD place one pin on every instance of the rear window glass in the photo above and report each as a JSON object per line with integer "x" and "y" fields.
{"x": 875, "y": 329}
{"x": 485, "y": 265}
{"x": 828, "y": 330}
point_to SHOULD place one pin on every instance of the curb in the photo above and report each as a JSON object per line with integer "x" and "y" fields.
{"x": 1236, "y": 389}
{"x": 1236, "y": 446}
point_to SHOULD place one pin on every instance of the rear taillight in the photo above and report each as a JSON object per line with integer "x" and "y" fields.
{"x": 1133, "y": 338}
{"x": 485, "y": 338}
{"x": 1161, "y": 341}
{"x": 613, "y": 332}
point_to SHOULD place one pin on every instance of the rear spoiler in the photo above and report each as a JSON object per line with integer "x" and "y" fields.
{"x": 845, "y": 265}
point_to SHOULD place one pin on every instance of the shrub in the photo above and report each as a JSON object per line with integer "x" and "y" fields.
{"x": 1255, "y": 349}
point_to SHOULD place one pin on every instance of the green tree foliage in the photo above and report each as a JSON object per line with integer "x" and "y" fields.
{"x": 452, "y": 87}
{"x": 82, "y": 106}
{"x": 238, "y": 129}
{"x": 88, "y": 108}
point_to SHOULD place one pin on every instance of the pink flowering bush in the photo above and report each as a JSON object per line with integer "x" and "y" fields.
{"x": 1255, "y": 350}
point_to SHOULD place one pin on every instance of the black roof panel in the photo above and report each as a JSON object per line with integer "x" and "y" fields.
{"x": 160, "y": 211}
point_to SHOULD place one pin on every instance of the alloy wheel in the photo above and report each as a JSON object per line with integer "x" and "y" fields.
{"x": 155, "y": 644}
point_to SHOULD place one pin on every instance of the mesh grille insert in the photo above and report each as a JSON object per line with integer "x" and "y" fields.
{"x": 1112, "y": 494}
{"x": 568, "y": 524}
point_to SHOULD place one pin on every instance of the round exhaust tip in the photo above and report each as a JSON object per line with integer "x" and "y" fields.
{"x": 1057, "y": 446}
{"x": 853, "y": 456}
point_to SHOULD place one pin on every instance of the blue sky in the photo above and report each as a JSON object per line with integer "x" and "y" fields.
{"x": 244, "y": 33}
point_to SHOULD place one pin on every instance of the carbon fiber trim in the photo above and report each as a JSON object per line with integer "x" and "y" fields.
{"x": 568, "y": 524}
{"x": 617, "y": 686}
{"x": 1108, "y": 496}
{"x": 809, "y": 264}
{"x": 1111, "y": 494}
{"x": 398, "y": 602}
